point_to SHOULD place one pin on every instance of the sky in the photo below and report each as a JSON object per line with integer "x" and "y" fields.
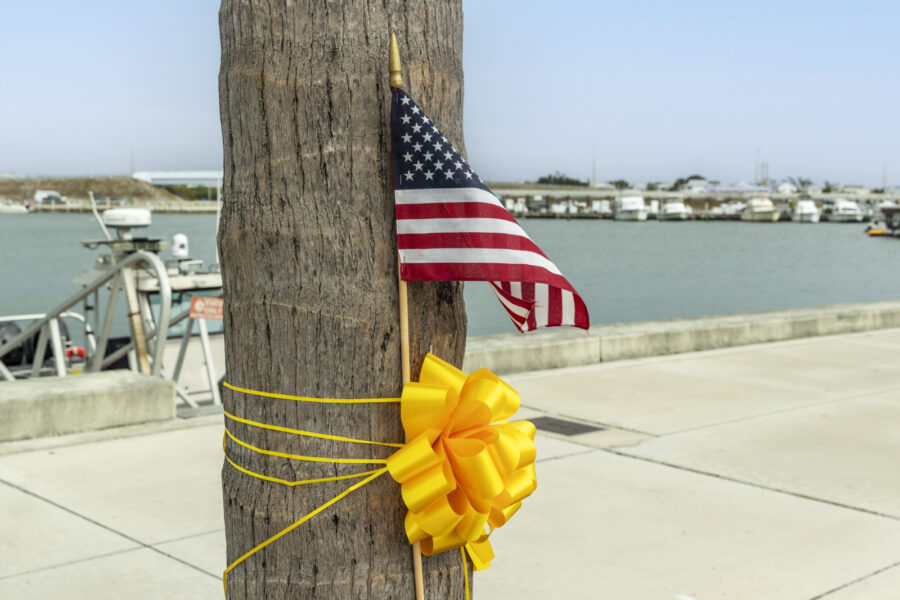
{"x": 643, "y": 90}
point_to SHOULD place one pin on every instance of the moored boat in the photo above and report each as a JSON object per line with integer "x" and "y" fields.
{"x": 845, "y": 211}
{"x": 674, "y": 210}
{"x": 602, "y": 208}
{"x": 8, "y": 207}
{"x": 631, "y": 208}
{"x": 806, "y": 211}
{"x": 891, "y": 212}
{"x": 760, "y": 210}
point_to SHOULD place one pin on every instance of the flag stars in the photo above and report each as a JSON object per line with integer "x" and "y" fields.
{"x": 424, "y": 149}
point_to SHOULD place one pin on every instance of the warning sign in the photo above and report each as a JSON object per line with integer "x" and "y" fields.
{"x": 206, "y": 308}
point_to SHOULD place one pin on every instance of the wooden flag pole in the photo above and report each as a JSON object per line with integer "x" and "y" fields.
{"x": 396, "y": 82}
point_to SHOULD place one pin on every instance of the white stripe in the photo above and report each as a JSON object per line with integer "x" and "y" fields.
{"x": 477, "y": 255}
{"x": 568, "y": 308}
{"x": 510, "y": 307}
{"x": 541, "y": 302}
{"x": 515, "y": 289}
{"x": 439, "y": 195}
{"x": 461, "y": 225}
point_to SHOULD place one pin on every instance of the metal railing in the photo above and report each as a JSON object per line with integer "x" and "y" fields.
{"x": 47, "y": 333}
{"x": 47, "y": 326}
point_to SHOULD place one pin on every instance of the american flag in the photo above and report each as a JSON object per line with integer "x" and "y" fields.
{"x": 450, "y": 227}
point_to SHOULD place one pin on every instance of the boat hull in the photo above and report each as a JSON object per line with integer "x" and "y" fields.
{"x": 845, "y": 218}
{"x": 631, "y": 215}
{"x": 806, "y": 218}
{"x": 767, "y": 216}
{"x": 677, "y": 216}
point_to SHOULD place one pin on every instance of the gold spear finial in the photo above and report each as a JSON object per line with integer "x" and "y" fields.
{"x": 394, "y": 64}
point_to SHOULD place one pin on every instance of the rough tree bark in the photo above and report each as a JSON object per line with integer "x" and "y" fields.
{"x": 309, "y": 261}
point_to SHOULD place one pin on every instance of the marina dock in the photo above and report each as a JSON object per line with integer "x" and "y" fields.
{"x": 759, "y": 471}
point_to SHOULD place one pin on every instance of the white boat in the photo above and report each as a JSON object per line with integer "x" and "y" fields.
{"x": 631, "y": 208}
{"x": 760, "y": 210}
{"x": 845, "y": 211}
{"x": 674, "y": 210}
{"x": 806, "y": 211}
{"x": 602, "y": 208}
{"x": 8, "y": 207}
{"x": 730, "y": 211}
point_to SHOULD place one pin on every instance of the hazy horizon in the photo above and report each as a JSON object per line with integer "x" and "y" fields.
{"x": 657, "y": 91}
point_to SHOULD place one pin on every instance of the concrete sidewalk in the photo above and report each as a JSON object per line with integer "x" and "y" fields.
{"x": 760, "y": 472}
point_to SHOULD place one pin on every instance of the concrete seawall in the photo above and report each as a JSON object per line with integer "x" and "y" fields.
{"x": 556, "y": 348}
{"x": 53, "y": 406}
{"x": 48, "y": 406}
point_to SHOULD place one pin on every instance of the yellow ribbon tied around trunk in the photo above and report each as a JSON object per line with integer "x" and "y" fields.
{"x": 466, "y": 468}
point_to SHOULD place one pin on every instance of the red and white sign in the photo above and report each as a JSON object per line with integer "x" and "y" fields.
{"x": 206, "y": 308}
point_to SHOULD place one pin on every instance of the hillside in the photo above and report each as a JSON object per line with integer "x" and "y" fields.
{"x": 78, "y": 188}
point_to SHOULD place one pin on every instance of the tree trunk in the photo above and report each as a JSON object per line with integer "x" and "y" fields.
{"x": 308, "y": 249}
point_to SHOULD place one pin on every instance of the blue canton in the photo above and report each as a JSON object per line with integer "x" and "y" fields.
{"x": 423, "y": 158}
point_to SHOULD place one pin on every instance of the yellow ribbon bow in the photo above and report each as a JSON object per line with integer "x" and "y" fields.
{"x": 465, "y": 466}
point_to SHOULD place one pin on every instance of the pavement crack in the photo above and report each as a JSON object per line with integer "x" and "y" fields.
{"x": 548, "y": 459}
{"x": 68, "y": 562}
{"x": 849, "y": 583}
{"x": 107, "y": 528}
{"x": 751, "y": 484}
{"x": 187, "y": 537}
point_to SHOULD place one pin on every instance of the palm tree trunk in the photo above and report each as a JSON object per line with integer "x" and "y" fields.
{"x": 308, "y": 250}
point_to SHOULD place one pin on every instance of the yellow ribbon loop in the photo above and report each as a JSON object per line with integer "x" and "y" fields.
{"x": 465, "y": 466}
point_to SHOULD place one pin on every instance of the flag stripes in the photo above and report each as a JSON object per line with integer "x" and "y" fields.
{"x": 450, "y": 227}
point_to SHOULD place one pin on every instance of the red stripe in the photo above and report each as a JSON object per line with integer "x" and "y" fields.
{"x": 453, "y": 210}
{"x": 501, "y": 241}
{"x": 484, "y": 272}
{"x": 517, "y": 320}
{"x": 512, "y": 299}
{"x": 554, "y": 306}
{"x": 582, "y": 319}
{"x": 528, "y": 292}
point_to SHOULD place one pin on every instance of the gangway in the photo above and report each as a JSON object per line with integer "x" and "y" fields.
{"x": 134, "y": 268}
{"x": 120, "y": 274}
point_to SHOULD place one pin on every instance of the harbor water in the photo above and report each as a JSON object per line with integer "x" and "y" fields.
{"x": 625, "y": 272}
